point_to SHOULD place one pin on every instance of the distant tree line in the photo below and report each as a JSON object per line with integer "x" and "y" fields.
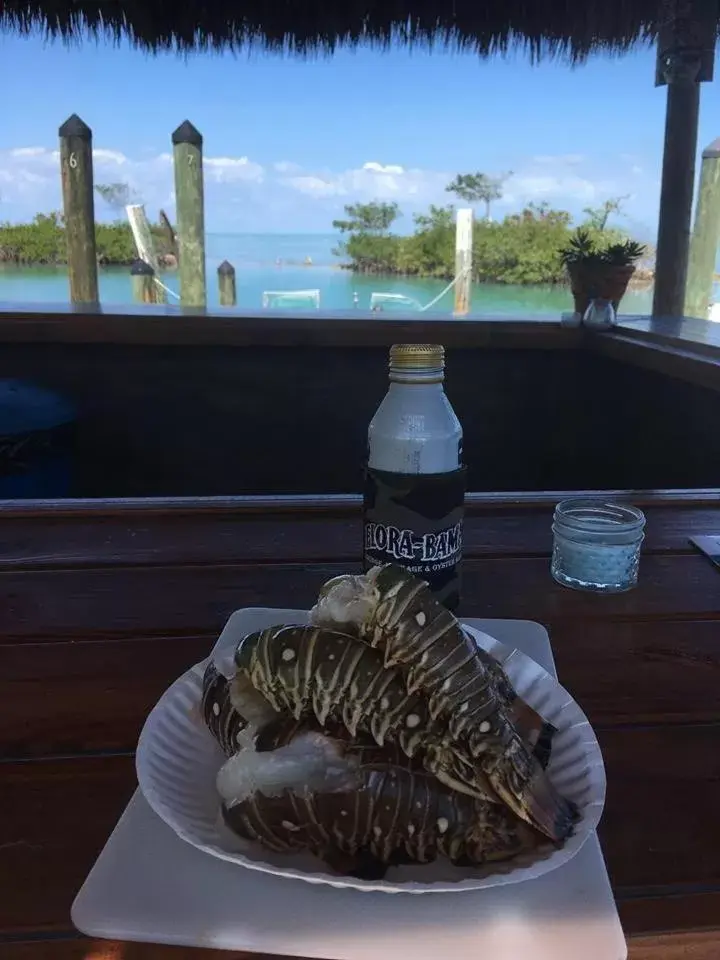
{"x": 523, "y": 248}
{"x": 42, "y": 241}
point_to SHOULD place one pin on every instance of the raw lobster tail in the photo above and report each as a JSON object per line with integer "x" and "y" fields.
{"x": 394, "y": 611}
{"x": 379, "y": 734}
{"x": 396, "y": 815}
{"x": 465, "y": 687}
{"x": 328, "y": 677}
{"x": 337, "y": 679}
{"x": 221, "y": 717}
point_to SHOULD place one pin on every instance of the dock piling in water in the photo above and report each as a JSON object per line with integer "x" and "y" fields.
{"x": 190, "y": 203}
{"x": 226, "y": 284}
{"x": 145, "y": 290}
{"x": 463, "y": 261}
{"x": 145, "y": 246}
{"x": 76, "y": 171}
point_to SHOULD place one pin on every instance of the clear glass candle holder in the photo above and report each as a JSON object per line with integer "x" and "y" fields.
{"x": 596, "y": 545}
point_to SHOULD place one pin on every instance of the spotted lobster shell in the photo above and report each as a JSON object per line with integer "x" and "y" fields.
{"x": 306, "y": 671}
{"x": 217, "y": 709}
{"x": 394, "y": 815}
{"x": 396, "y": 613}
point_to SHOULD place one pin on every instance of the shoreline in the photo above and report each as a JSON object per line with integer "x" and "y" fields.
{"x": 642, "y": 280}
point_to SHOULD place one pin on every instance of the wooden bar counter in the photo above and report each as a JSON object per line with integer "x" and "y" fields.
{"x": 104, "y": 603}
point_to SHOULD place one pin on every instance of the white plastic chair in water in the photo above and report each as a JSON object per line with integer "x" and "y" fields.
{"x": 287, "y": 299}
{"x": 396, "y": 301}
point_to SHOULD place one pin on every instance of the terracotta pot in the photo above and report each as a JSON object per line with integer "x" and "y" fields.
{"x": 607, "y": 281}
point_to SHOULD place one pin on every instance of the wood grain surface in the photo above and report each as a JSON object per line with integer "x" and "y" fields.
{"x": 683, "y": 946}
{"x": 102, "y": 607}
{"x": 141, "y": 538}
{"x": 105, "y": 603}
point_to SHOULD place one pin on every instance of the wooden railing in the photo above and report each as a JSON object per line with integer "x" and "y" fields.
{"x": 188, "y": 404}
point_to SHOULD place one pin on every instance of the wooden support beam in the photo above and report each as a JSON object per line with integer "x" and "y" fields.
{"x": 463, "y": 261}
{"x": 190, "y": 202}
{"x": 676, "y": 193}
{"x": 226, "y": 284}
{"x": 705, "y": 237}
{"x": 76, "y": 171}
{"x": 685, "y": 59}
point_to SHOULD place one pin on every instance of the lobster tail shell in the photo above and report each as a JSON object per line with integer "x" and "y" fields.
{"x": 221, "y": 718}
{"x": 396, "y": 815}
{"x": 395, "y": 612}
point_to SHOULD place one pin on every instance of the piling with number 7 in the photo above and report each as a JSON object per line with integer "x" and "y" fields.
{"x": 190, "y": 203}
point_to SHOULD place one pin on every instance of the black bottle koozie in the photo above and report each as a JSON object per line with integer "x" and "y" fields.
{"x": 415, "y": 520}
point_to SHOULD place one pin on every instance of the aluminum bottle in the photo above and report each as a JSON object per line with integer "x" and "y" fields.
{"x": 415, "y": 478}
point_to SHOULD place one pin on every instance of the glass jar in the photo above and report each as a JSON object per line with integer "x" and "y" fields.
{"x": 596, "y": 545}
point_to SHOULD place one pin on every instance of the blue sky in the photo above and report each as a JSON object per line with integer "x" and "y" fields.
{"x": 288, "y": 142}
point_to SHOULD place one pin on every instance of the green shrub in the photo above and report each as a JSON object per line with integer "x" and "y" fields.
{"x": 524, "y": 248}
{"x": 43, "y": 242}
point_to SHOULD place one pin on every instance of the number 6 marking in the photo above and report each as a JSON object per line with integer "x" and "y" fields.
{"x": 73, "y": 161}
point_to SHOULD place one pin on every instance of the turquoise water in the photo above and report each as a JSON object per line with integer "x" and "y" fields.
{"x": 275, "y": 262}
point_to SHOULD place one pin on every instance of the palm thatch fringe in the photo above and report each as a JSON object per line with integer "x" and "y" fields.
{"x": 570, "y": 29}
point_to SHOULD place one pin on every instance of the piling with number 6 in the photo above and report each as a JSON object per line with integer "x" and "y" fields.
{"x": 76, "y": 170}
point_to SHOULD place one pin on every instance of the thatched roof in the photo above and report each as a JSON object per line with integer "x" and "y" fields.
{"x": 570, "y": 28}
{"x": 567, "y": 28}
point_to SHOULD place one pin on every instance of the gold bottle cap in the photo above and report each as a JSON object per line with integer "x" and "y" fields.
{"x": 417, "y": 356}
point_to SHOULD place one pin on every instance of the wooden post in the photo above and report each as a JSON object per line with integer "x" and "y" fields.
{"x": 226, "y": 284}
{"x": 687, "y": 30}
{"x": 676, "y": 195}
{"x": 145, "y": 290}
{"x": 706, "y": 236}
{"x": 76, "y": 171}
{"x": 189, "y": 199}
{"x": 463, "y": 261}
{"x": 145, "y": 245}
{"x": 169, "y": 233}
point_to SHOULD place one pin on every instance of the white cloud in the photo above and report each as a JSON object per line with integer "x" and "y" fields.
{"x": 315, "y": 186}
{"x": 286, "y": 166}
{"x": 243, "y": 194}
{"x": 374, "y": 181}
{"x": 109, "y": 156}
{"x": 27, "y": 151}
{"x": 379, "y": 168}
{"x": 226, "y": 169}
{"x": 526, "y": 188}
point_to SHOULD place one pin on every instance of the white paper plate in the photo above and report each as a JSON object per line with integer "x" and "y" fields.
{"x": 177, "y": 762}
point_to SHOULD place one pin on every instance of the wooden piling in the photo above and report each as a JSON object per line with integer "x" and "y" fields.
{"x": 76, "y": 171}
{"x": 226, "y": 284}
{"x": 189, "y": 199}
{"x": 145, "y": 290}
{"x": 145, "y": 245}
{"x": 463, "y": 261}
{"x": 705, "y": 237}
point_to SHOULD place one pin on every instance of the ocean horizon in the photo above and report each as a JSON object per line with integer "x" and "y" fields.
{"x": 286, "y": 262}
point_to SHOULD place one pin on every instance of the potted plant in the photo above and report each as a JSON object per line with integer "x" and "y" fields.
{"x": 599, "y": 271}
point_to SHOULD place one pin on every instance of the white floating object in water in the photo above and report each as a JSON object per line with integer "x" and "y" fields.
{"x": 287, "y": 299}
